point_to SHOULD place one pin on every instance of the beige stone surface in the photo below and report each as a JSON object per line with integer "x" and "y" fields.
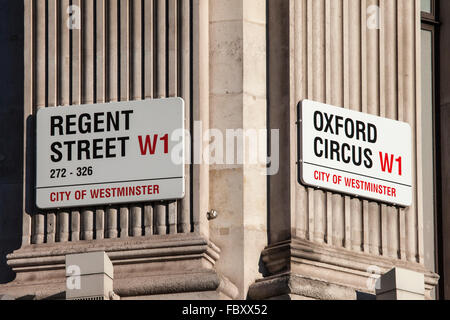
{"x": 116, "y": 61}
{"x": 337, "y": 266}
{"x": 401, "y": 284}
{"x": 238, "y": 101}
{"x": 142, "y": 266}
{"x": 92, "y": 286}
{"x": 326, "y": 52}
{"x": 91, "y": 263}
{"x": 246, "y": 66}
{"x": 296, "y": 287}
{"x": 95, "y": 279}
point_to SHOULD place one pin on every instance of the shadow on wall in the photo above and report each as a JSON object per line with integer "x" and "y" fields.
{"x": 11, "y": 131}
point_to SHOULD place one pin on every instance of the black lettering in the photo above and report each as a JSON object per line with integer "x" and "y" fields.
{"x": 316, "y": 150}
{"x": 57, "y": 156}
{"x": 97, "y": 147}
{"x": 69, "y": 145}
{"x": 70, "y": 124}
{"x": 329, "y": 125}
{"x": 123, "y": 141}
{"x": 127, "y": 118}
{"x": 357, "y": 153}
{"x": 349, "y": 128}
{"x": 98, "y": 121}
{"x": 84, "y": 126}
{"x": 335, "y": 150}
{"x": 360, "y": 131}
{"x": 112, "y": 121}
{"x": 368, "y": 162}
{"x": 346, "y": 159}
{"x": 372, "y": 133}
{"x": 110, "y": 147}
{"x": 339, "y": 124}
{"x": 56, "y": 122}
{"x": 318, "y": 121}
{"x": 83, "y": 147}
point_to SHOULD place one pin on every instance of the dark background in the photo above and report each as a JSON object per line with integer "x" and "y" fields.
{"x": 11, "y": 130}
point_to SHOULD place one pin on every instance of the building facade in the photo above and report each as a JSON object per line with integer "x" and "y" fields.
{"x": 238, "y": 65}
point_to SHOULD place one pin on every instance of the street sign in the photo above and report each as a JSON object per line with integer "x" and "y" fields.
{"x": 355, "y": 153}
{"x": 110, "y": 153}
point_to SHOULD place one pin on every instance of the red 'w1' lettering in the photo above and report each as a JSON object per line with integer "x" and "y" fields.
{"x": 150, "y": 144}
{"x": 387, "y": 163}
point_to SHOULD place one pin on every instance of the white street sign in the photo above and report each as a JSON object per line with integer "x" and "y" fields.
{"x": 355, "y": 153}
{"x": 110, "y": 153}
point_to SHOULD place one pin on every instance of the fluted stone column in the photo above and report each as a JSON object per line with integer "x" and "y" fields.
{"x": 119, "y": 50}
{"x": 238, "y": 101}
{"x": 336, "y": 52}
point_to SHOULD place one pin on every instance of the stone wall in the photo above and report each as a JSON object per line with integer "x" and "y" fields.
{"x": 116, "y": 50}
{"x": 335, "y": 52}
{"x": 239, "y": 64}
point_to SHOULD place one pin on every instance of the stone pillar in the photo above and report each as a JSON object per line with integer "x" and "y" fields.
{"x": 401, "y": 284}
{"x": 330, "y": 52}
{"x": 237, "y": 111}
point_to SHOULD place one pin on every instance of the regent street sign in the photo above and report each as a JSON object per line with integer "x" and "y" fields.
{"x": 354, "y": 153}
{"x": 110, "y": 153}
